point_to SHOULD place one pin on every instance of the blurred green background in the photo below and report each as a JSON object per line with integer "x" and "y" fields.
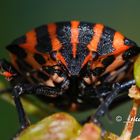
{"x": 18, "y": 17}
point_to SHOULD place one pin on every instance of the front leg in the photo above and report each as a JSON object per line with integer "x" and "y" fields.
{"x": 116, "y": 89}
{"x": 22, "y": 89}
{"x": 23, "y": 119}
{"x": 19, "y": 89}
{"x": 106, "y": 92}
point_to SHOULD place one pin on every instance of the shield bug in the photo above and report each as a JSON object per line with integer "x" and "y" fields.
{"x": 71, "y": 64}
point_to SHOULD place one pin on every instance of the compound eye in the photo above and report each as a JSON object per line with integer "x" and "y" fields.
{"x": 53, "y": 55}
{"x": 129, "y": 42}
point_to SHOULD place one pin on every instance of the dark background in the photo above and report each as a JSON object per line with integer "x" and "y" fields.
{"x": 18, "y": 17}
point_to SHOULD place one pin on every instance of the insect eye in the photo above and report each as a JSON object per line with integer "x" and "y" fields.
{"x": 53, "y": 55}
{"x": 129, "y": 42}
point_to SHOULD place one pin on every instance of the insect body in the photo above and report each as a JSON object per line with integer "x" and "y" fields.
{"x": 71, "y": 61}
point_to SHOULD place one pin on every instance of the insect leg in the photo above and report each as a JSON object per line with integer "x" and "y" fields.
{"x": 51, "y": 91}
{"x": 6, "y": 66}
{"x": 116, "y": 89}
{"x": 22, "y": 89}
{"x": 7, "y": 70}
{"x": 19, "y": 90}
{"x": 23, "y": 120}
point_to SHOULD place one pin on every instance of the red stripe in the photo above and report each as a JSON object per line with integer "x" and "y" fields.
{"x": 74, "y": 36}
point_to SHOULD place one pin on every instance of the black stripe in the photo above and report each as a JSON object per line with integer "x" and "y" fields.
{"x": 85, "y": 36}
{"x": 18, "y": 51}
{"x": 42, "y": 75}
{"x": 85, "y": 33}
{"x": 131, "y": 52}
{"x": 20, "y": 40}
{"x": 108, "y": 60}
{"x": 64, "y": 35}
{"x": 98, "y": 71}
{"x": 39, "y": 58}
{"x": 23, "y": 65}
{"x": 64, "y": 32}
{"x": 43, "y": 39}
{"x": 105, "y": 44}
